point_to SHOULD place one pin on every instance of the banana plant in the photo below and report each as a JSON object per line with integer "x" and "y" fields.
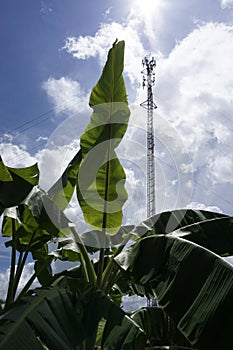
{"x": 15, "y": 185}
{"x": 96, "y": 194}
{"x": 173, "y": 255}
{"x": 32, "y": 218}
{"x": 172, "y": 264}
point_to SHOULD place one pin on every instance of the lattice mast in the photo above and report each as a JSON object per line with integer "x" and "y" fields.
{"x": 149, "y": 105}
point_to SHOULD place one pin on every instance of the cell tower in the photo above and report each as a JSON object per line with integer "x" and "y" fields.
{"x": 149, "y": 105}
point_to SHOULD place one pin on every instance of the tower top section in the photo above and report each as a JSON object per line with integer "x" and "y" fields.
{"x": 148, "y": 80}
{"x": 149, "y": 66}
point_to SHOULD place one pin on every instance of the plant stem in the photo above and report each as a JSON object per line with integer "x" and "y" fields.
{"x": 91, "y": 340}
{"x": 20, "y": 258}
{"x": 112, "y": 281}
{"x": 82, "y": 346}
{"x": 84, "y": 267}
{"x": 101, "y": 257}
{"x": 108, "y": 270}
{"x": 100, "y": 266}
{"x": 83, "y": 252}
{"x": 10, "y": 292}
{"x": 27, "y": 286}
{"x": 31, "y": 280}
{"x": 21, "y": 263}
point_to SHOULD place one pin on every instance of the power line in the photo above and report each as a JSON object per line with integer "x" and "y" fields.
{"x": 37, "y": 147}
{"x": 28, "y": 122}
{"x": 45, "y": 114}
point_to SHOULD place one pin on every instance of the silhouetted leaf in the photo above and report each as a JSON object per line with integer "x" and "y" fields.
{"x": 15, "y": 184}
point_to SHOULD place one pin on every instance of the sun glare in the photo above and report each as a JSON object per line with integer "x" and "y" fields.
{"x": 145, "y": 6}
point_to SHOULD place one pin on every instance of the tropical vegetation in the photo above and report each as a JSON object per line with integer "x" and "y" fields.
{"x": 174, "y": 256}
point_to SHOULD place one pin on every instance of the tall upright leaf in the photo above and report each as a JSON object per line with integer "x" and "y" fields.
{"x": 100, "y": 184}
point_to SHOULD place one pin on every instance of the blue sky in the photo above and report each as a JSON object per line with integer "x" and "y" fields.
{"x": 32, "y": 35}
{"x": 52, "y": 53}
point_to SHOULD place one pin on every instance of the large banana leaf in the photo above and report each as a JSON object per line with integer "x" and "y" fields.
{"x": 169, "y": 221}
{"x": 211, "y": 230}
{"x": 215, "y": 235}
{"x": 93, "y": 240}
{"x": 193, "y": 285}
{"x": 48, "y": 215}
{"x": 62, "y": 319}
{"x": 100, "y": 184}
{"x": 48, "y": 315}
{"x": 15, "y": 184}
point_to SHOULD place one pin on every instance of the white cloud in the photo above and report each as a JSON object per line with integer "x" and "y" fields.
{"x": 194, "y": 91}
{"x": 202, "y": 206}
{"x": 99, "y": 44}
{"x": 132, "y": 303}
{"x": 151, "y": 15}
{"x": 45, "y": 9}
{"x": 226, "y": 3}
{"x": 66, "y": 95}
{"x": 222, "y": 168}
{"x": 53, "y": 161}
{"x": 4, "y": 279}
{"x": 41, "y": 138}
{"x": 15, "y": 156}
{"x": 6, "y": 138}
{"x": 193, "y": 84}
{"x": 196, "y": 71}
{"x": 229, "y": 259}
{"x": 107, "y": 12}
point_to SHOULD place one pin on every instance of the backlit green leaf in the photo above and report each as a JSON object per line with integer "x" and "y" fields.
{"x": 100, "y": 184}
{"x": 110, "y": 87}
